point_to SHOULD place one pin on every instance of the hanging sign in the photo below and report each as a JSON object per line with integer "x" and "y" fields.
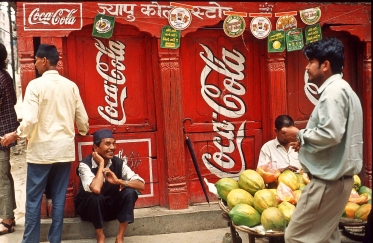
{"x": 103, "y": 26}
{"x": 180, "y": 17}
{"x": 313, "y": 33}
{"x": 276, "y": 41}
{"x": 310, "y": 16}
{"x": 234, "y": 25}
{"x": 294, "y": 39}
{"x": 286, "y": 20}
{"x": 170, "y": 38}
{"x": 260, "y": 25}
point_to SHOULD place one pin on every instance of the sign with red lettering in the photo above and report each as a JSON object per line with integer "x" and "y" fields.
{"x": 52, "y": 16}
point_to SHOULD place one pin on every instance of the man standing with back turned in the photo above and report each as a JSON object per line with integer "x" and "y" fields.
{"x": 51, "y": 105}
{"x": 330, "y": 147}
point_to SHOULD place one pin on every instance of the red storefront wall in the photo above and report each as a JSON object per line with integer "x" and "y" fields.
{"x": 232, "y": 89}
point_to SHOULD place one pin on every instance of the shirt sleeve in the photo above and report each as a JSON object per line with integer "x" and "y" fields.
{"x": 81, "y": 117}
{"x": 330, "y": 123}
{"x": 86, "y": 176}
{"x": 264, "y": 156}
{"x": 128, "y": 174}
{"x": 30, "y": 111}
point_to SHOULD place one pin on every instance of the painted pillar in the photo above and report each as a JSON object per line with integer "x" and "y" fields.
{"x": 275, "y": 92}
{"x": 367, "y": 114}
{"x": 171, "y": 99}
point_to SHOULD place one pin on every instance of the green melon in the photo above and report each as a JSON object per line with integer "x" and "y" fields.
{"x": 287, "y": 209}
{"x": 273, "y": 219}
{"x": 244, "y": 214}
{"x": 239, "y": 196}
{"x": 224, "y": 186}
{"x": 264, "y": 199}
{"x": 251, "y": 181}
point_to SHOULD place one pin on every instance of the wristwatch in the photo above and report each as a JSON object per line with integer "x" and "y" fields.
{"x": 126, "y": 183}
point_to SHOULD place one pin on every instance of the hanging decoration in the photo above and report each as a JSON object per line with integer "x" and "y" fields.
{"x": 294, "y": 39}
{"x": 180, "y": 17}
{"x": 276, "y": 41}
{"x": 313, "y": 33}
{"x": 310, "y": 16}
{"x": 234, "y": 24}
{"x": 170, "y": 38}
{"x": 103, "y": 26}
{"x": 260, "y": 25}
{"x": 286, "y": 20}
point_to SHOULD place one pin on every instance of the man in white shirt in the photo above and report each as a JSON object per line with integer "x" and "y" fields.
{"x": 50, "y": 107}
{"x": 108, "y": 187}
{"x": 278, "y": 151}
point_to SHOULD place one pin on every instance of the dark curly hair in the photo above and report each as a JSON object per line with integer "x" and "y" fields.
{"x": 330, "y": 49}
{"x": 3, "y": 56}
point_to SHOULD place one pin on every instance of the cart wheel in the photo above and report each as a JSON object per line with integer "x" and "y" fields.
{"x": 354, "y": 232}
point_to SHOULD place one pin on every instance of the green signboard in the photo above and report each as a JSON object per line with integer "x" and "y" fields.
{"x": 103, "y": 26}
{"x": 170, "y": 38}
{"x": 276, "y": 41}
{"x": 294, "y": 39}
{"x": 313, "y": 33}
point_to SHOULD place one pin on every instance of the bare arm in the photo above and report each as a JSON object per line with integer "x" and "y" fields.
{"x": 113, "y": 179}
{"x": 98, "y": 181}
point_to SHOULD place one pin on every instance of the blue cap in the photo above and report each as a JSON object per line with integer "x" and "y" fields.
{"x": 101, "y": 134}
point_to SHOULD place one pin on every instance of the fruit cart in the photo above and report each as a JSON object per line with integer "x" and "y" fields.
{"x": 273, "y": 237}
{"x": 353, "y": 228}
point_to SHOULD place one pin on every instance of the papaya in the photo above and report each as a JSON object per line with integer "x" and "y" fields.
{"x": 238, "y": 196}
{"x": 251, "y": 181}
{"x": 350, "y": 209}
{"x": 365, "y": 189}
{"x": 263, "y": 199}
{"x": 244, "y": 214}
{"x": 273, "y": 219}
{"x": 224, "y": 186}
{"x": 357, "y": 182}
{"x": 301, "y": 187}
{"x": 290, "y": 179}
{"x": 285, "y": 194}
{"x": 363, "y": 211}
{"x": 287, "y": 209}
{"x": 268, "y": 173}
{"x": 297, "y": 194}
{"x": 356, "y": 198}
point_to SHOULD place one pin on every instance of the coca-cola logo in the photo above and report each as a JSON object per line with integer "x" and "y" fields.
{"x": 113, "y": 80}
{"x": 64, "y": 16}
{"x": 227, "y": 103}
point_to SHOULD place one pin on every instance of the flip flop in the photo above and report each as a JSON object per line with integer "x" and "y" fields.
{"x": 9, "y": 227}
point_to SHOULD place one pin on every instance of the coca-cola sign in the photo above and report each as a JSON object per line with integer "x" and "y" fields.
{"x": 52, "y": 16}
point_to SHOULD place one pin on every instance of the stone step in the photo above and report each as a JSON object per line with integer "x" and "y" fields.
{"x": 148, "y": 221}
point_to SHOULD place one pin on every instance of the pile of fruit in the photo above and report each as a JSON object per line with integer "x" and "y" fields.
{"x": 267, "y": 197}
{"x": 360, "y": 202}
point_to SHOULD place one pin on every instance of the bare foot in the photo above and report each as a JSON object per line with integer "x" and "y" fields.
{"x": 119, "y": 240}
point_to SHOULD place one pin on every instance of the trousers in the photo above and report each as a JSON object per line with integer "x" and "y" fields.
{"x": 7, "y": 194}
{"x": 98, "y": 208}
{"x": 316, "y": 217}
{"x": 38, "y": 175}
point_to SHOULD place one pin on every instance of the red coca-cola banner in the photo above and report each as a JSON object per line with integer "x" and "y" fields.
{"x": 52, "y": 16}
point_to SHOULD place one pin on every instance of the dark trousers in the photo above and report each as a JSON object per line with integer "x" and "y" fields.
{"x": 97, "y": 208}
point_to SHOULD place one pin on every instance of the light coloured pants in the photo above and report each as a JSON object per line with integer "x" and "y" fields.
{"x": 7, "y": 196}
{"x": 316, "y": 216}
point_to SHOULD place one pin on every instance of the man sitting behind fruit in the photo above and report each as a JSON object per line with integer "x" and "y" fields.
{"x": 278, "y": 151}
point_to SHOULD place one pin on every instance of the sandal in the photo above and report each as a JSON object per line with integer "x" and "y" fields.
{"x": 9, "y": 227}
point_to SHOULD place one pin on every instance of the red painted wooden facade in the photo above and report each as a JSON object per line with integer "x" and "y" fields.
{"x": 232, "y": 89}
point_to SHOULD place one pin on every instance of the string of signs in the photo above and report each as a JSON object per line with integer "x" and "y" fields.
{"x": 285, "y": 36}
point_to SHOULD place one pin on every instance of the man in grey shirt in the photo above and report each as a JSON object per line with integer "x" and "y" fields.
{"x": 330, "y": 147}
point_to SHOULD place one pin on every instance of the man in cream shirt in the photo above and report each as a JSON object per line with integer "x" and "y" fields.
{"x": 51, "y": 105}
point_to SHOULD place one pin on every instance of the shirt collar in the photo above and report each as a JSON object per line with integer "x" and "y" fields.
{"x": 277, "y": 143}
{"x": 330, "y": 80}
{"x": 50, "y": 72}
{"x": 95, "y": 165}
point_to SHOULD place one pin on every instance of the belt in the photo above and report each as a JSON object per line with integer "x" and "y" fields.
{"x": 339, "y": 179}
